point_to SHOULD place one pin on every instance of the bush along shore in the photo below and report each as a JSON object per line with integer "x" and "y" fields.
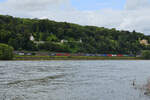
{"x": 6, "y": 52}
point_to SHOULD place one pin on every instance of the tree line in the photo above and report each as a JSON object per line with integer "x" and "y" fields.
{"x": 16, "y": 32}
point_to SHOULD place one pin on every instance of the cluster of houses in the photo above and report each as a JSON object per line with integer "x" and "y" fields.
{"x": 61, "y": 41}
{"x": 144, "y": 42}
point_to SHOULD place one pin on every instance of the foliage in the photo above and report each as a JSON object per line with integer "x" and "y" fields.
{"x": 146, "y": 54}
{"x": 17, "y": 31}
{"x": 6, "y": 52}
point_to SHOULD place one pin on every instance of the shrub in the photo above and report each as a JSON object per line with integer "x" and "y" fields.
{"x": 6, "y": 52}
{"x": 146, "y": 54}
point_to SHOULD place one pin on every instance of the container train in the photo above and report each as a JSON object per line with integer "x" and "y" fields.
{"x": 98, "y": 55}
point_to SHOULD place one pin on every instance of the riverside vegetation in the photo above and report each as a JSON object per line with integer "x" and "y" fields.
{"x": 16, "y": 32}
{"x": 6, "y": 52}
{"x": 146, "y": 54}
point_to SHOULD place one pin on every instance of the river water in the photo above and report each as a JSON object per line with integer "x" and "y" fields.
{"x": 73, "y": 80}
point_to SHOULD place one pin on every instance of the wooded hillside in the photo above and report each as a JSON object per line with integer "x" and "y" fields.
{"x": 17, "y": 31}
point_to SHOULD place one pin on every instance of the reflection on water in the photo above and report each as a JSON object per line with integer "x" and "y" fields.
{"x": 73, "y": 80}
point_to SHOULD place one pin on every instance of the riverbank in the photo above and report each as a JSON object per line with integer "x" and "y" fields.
{"x": 73, "y": 58}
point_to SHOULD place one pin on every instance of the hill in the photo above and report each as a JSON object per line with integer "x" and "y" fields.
{"x": 67, "y": 37}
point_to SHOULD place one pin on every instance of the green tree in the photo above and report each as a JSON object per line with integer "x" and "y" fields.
{"x": 4, "y": 36}
{"x": 52, "y": 37}
{"x": 6, "y": 52}
{"x": 146, "y": 54}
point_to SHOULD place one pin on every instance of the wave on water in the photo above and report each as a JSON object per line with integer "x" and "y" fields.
{"x": 41, "y": 80}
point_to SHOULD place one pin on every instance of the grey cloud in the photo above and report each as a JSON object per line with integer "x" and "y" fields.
{"x": 137, "y": 4}
{"x": 135, "y": 16}
{"x": 32, "y": 5}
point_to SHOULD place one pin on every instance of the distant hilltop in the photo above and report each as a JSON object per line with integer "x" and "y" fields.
{"x": 47, "y": 35}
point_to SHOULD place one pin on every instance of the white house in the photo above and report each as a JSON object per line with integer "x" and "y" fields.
{"x": 80, "y": 41}
{"x": 36, "y": 42}
{"x": 63, "y": 41}
{"x": 32, "y": 38}
{"x": 144, "y": 42}
{"x": 66, "y": 41}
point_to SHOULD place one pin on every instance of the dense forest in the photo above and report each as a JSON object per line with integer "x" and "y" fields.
{"x": 17, "y": 31}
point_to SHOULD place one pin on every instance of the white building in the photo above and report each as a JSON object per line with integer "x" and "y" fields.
{"x": 32, "y": 38}
{"x": 144, "y": 42}
{"x": 80, "y": 41}
{"x": 36, "y": 42}
{"x": 64, "y": 41}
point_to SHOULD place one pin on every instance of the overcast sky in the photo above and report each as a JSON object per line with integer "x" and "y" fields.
{"x": 120, "y": 14}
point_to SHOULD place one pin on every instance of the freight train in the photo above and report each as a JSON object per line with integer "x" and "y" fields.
{"x": 98, "y": 55}
{"x": 71, "y": 54}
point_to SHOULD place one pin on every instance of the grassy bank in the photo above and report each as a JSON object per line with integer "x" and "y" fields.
{"x": 73, "y": 58}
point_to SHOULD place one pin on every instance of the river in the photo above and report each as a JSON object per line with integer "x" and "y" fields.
{"x": 73, "y": 80}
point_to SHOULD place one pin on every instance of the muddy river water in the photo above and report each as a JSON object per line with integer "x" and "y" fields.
{"x": 73, "y": 80}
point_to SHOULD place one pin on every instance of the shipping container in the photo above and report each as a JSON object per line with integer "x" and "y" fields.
{"x": 114, "y": 55}
{"x": 131, "y": 55}
{"x": 99, "y": 55}
{"x": 104, "y": 55}
{"x": 93, "y": 54}
{"x": 59, "y": 54}
{"x": 66, "y": 54}
{"x": 126, "y": 55}
{"x": 109, "y": 55}
{"x": 120, "y": 55}
{"x": 21, "y": 53}
{"x": 86, "y": 54}
{"x": 52, "y": 54}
